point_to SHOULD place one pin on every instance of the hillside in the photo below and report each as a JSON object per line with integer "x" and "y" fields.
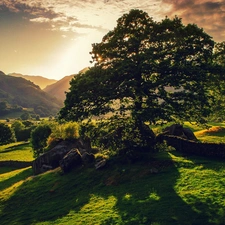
{"x": 42, "y": 82}
{"x": 18, "y": 92}
{"x": 183, "y": 190}
{"x": 59, "y": 88}
{"x": 161, "y": 188}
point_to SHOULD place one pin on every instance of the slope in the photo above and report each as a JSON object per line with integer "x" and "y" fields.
{"x": 182, "y": 191}
{"x": 18, "y": 92}
{"x": 59, "y": 88}
{"x": 42, "y": 82}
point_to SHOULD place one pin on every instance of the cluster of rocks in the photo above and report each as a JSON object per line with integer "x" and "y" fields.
{"x": 67, "y": 155}
{"x": 184, "y": 140}
{"x": 179, "y": 131}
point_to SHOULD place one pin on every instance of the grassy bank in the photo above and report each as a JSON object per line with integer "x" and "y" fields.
{"x": 169, "y": 189}
{"x": 166, "y": 188}
{"x": 20, "y": 151}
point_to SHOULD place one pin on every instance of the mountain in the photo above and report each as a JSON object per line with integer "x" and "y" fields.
{"x": 17, "y": 92}
{"x": 42, "y": 82}
{"x": 59, "y": 88}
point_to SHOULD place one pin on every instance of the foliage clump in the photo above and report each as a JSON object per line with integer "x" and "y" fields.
{"x": 6, "y": 134}
{"x": 144, "y": 71}
{"x": 39, "y": 138}
{"x": 47, "y": 134}
{"x": 22, "y": 129}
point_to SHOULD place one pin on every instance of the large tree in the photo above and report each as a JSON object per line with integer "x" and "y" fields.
{"x": 217, "y": 82}
{"x": 146, "y": 69}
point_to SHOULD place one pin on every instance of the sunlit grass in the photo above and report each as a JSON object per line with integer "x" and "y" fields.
{"x": 214, "y": 134}
{"x": 188, "y": 191}
{"x": 20, "y": 151}
{"x": 184, "y": 190}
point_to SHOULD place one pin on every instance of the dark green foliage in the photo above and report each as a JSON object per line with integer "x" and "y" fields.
{"x": 217, "y": 83}
{"x": 39, "y": 138}
{"x": 25, "y": 116}
{"x": 119, "y": 134}
{"x": 6, "y": 134}
{"x": 22, "y": 129}
{"x": 149, "y": 70}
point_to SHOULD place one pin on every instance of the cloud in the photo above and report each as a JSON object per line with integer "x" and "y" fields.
{"x": 210, "y": 15}
{"x": 35, "y": 12}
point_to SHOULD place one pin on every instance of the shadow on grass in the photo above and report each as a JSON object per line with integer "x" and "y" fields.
{"x": 7, "y": 169}
{"x": 144, "y": 194}
{"x": 25, "y": 173}
{"x": 19, "y": 146}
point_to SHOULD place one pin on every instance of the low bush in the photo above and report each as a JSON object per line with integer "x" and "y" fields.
{"x": 6, "y": 134}
{"x": 48, "y": 134}
{"x": 39, "y": 138}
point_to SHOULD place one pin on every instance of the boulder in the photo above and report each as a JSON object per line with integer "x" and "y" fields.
{"x": 189, "y": 134}
{"x": 179, "y": 131}
{"x": 51, "y": 158}
{"x": 71, "y": 160}
{"x": 100, "y": 164}
{"x": 87, "y": 158}
{"x": 45, "y": 168}
{"x": 175, "y": 129}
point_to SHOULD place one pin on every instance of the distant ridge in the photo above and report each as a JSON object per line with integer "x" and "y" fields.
{"x": 42, "y": 82}
{"x": 59, "y": 88}
{"x": 19, "y": 92}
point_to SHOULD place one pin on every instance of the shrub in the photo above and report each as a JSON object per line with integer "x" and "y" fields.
{"x": 7, "y": 136}
{"x": 70, "y": 131}
{"x": 22, "y": 130}
{"x": 39, "y": 138}
{"x": 64, "y": 131}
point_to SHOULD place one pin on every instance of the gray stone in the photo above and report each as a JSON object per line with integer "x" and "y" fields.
{"x": 87, "y": 158}
{"x": 179, "y": 131}
{"x": 100, "y": 164}
{"x": 71, "y": 160}
{"x": 53, "y": 156}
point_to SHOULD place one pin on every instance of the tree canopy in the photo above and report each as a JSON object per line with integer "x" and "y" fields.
{"x": 7, "y": 136}
{"x": 147, "y": 70}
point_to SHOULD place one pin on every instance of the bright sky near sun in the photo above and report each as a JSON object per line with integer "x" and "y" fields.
{"x": 53, "y": 38}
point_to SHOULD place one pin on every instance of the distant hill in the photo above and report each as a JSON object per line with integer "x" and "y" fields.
{"x": 42, "y": 82}
{"x": 17, "y": 92}
{"x": 59, "y": 88}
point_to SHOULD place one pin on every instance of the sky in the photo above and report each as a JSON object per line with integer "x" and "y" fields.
{"x": 53, "y": 38}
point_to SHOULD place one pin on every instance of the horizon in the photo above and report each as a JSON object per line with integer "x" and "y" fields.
{"x": 53, "y": 39}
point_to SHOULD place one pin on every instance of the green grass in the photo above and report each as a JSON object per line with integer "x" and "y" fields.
{"x": 183, "y": 191}
{"x": 20, "y": 151}
{"x": 166, "y": 189}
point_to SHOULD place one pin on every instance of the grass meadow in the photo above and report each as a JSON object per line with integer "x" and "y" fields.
{"x": 166, "y": 188}
{"x": 20, "y": 151}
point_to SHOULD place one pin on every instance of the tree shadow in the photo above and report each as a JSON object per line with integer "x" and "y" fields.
{"x": 15, "y": 147}
{"x": 22, "y": 175}
{"x": 144, "y": 194}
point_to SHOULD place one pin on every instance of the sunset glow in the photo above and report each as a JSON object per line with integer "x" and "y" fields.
{"x": 53, "y": 38}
